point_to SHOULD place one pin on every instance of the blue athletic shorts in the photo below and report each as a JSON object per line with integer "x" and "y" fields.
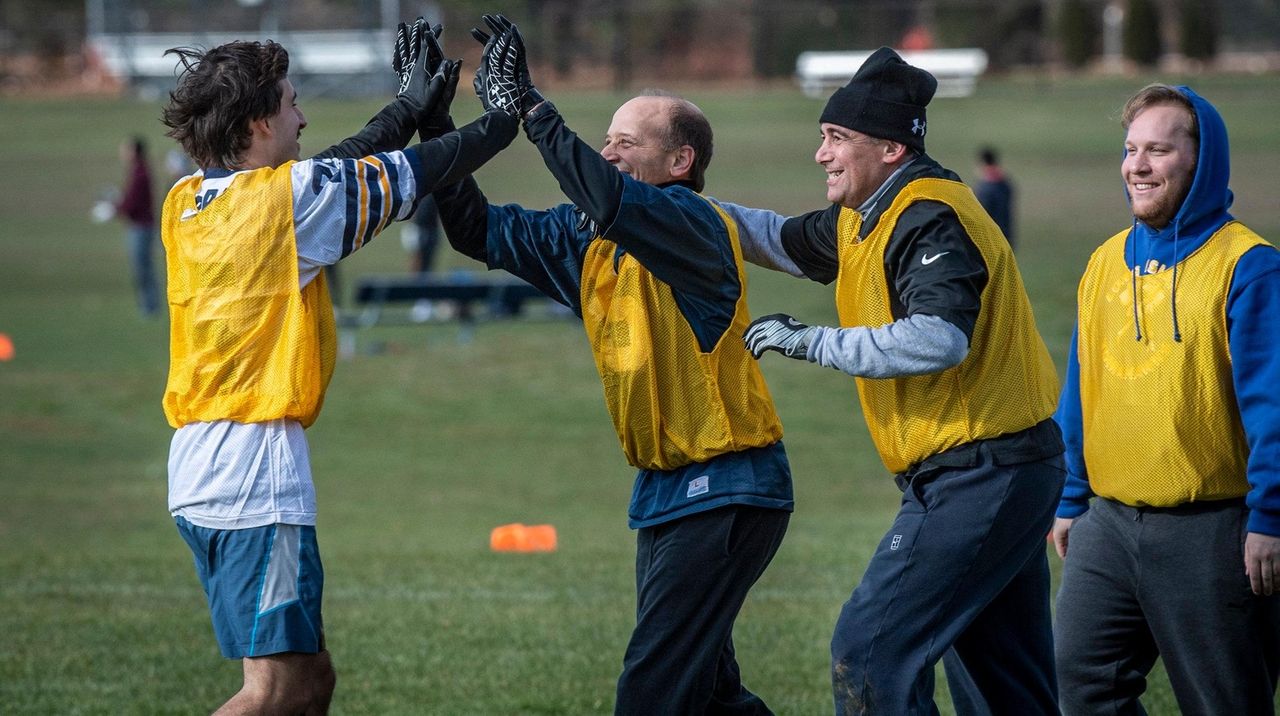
{"x": 263, "y": 585}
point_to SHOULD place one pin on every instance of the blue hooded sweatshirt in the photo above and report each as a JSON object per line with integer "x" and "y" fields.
{"x": 1253, "y": 322}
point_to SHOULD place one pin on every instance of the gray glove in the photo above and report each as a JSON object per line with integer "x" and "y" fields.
{"x": 778, "y": 332}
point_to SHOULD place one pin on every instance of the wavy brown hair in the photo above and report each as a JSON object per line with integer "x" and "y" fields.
{"x": 219, "y": 92}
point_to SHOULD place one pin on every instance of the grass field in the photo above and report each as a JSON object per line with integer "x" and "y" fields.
{"x": 428, "y": 444}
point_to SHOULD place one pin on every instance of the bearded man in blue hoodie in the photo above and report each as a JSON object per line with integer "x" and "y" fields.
{"x": 1172, "y": 423}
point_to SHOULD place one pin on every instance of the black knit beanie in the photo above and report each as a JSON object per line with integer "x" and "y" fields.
{"x": 885, "y": 99}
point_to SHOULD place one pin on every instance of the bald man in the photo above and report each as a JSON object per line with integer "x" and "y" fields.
{"x": 655, "y": 271}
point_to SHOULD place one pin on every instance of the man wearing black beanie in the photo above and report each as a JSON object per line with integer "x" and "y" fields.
{"x": 957, "y": 389}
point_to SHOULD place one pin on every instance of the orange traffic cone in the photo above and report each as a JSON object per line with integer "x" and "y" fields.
{"x": 523, "y": 538}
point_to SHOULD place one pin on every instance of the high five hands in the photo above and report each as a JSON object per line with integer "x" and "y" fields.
{"x": 428, "y": 81}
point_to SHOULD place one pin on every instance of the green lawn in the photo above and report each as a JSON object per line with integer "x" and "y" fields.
{"x": 427, "y": 444}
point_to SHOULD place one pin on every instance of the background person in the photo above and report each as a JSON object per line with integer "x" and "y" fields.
{"x": 252, "y": 339}
{"x": 1178, "y": 553}
{"x": 995, "y": 192}
{"x": 136, "y": 208}
{"x": 957, "y": 389}
{"x": 655, "y": 272}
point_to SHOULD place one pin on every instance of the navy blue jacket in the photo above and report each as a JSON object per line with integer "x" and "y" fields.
{"x": 677, "y": 236}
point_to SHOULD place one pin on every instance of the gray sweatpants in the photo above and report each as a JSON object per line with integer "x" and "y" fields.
{"x": 1139, "y": 583}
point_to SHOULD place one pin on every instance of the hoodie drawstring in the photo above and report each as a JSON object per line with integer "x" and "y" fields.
{"x": 1173, "y": 300}
{"x": 1133, "y": 277}
{"x": 1173, "y": 297}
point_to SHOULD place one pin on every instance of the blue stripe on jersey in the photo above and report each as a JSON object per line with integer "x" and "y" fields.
{"x": 352, "y": 188}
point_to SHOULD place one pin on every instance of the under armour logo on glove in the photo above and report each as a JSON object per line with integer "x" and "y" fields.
{"x": 504, "y": 91}
{"x": 502, "y": 80}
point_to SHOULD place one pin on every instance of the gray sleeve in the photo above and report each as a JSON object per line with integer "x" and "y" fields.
{"x": 760, "y": 234}
{"x": 915, "y": 345}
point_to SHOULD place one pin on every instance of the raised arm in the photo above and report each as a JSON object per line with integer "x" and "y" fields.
{"x": 543, "y": 247}
{"x": 503, "y": 82}
{"x": 424, "y": 80}
{"x": 341, "y": 204}
{"x": 362, "y": 196}
{"x": 676, "y": 235}
{"x": 388, "y": 130}
{"x": 450, "y": 158}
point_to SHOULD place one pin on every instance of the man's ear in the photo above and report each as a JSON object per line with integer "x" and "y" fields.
{"x": 682, "y": 164}
{"x": 260, "y": 127}
{"x": 894, "y": 152}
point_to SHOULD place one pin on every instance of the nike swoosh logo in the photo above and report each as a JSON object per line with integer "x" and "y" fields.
{"x": 927, "y": 259}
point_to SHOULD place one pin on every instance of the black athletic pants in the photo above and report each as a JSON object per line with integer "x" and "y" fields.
{"x": 692, "y": 575}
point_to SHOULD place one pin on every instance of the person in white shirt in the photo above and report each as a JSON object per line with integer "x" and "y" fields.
{"x": 252, "y": 340}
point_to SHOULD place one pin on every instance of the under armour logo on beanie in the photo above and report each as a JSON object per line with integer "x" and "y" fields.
{"x": 885, "y": 99}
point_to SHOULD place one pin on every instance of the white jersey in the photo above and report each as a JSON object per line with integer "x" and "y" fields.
{"x": 228, "y": 475}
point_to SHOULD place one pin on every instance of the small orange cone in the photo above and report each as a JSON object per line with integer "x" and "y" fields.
{"x": 6, "y": 347}
{"x": 523, "y": 538}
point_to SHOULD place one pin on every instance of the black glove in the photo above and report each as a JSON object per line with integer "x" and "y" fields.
{"x": 409, "y": 40}
{"x": 436, "y": 121}
{"x": 403, "y": 56}
{"x": 431, "y": 39}
{"x": 778, "y": 332}
{"x": 440, "y": 96}
{"x": 502, "y": 81}
{"x": 427, "y": 80}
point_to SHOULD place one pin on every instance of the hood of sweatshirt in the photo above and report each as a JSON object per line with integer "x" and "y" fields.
{"x": 1203, "y": 211}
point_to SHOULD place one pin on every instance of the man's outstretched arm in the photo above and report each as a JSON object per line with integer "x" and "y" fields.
{"x": 424, "y": 81}
{"x": 388, "y": 130}
{"x": 454, "y": 156}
